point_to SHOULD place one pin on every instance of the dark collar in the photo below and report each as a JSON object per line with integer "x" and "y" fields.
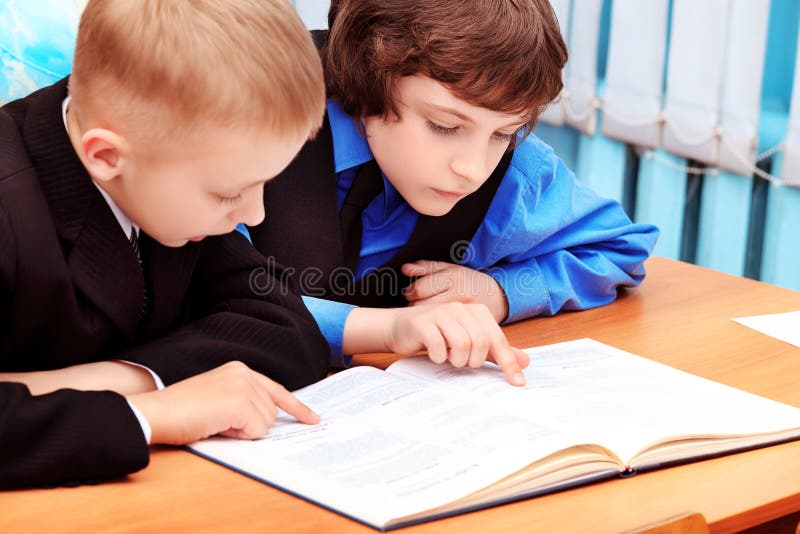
{"x": 102, "y": 262}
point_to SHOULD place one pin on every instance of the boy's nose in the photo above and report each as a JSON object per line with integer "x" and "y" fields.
{"x": 251, "y": 211}
{"x": 471, "y": 164}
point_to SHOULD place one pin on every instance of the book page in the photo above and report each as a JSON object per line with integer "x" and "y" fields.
{"x": 783, "y": 326}
{"x": 421, "y": 436}
{"x": 389, "y": 446}
{"x": 602, "y": 395}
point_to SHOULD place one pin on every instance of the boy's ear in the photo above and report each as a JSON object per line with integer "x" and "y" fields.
{"x": 104, "y": 153}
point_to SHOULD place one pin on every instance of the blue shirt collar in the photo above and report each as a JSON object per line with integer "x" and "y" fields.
{"x": 350, "y": 148}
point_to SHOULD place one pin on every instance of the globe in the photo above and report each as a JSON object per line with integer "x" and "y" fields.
{"x": 37, "y": 39}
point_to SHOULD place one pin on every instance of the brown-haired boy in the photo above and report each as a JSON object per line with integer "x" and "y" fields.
{"x": 118, "y": 192}
{"x": 427, "y": 140}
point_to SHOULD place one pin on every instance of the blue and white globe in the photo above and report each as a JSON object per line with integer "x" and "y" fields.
{"x": 37, "y": 39}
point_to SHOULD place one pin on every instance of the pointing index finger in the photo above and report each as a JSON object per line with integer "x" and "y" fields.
{"x": 503, "y": 355}
{"x": 292, "y": 405}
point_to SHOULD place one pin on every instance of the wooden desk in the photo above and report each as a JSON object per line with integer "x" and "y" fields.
{"x": 679, "y": 316}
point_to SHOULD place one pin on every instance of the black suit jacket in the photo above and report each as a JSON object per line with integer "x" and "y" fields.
{"x": 72, "y": 291}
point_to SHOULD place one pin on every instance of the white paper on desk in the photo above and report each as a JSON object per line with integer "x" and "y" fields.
{"x": 783, "y": 326}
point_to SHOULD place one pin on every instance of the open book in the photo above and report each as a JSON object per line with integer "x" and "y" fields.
{"x": 421, "y": 441}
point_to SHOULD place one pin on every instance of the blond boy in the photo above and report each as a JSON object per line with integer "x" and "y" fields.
{"x": 118, "y": 191}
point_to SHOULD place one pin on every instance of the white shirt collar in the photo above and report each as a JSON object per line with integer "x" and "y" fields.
{"x": 124, "y": 222}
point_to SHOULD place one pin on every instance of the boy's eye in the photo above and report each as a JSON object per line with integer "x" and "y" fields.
{"x": 445, "y": 131}
{"x": 439, "y": 129}
{"x": 505, "y": 138}
{"x": 229, "y": 200}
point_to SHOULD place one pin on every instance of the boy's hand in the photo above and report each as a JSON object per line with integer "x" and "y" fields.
{"x": 463, "y": 334}
{"x": 439, "y": 282}
{"x": 231, "y": 400}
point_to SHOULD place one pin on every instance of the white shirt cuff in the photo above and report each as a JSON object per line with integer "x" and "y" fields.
{"x": 146, "y": 430}
{"x": 156, "y": 378}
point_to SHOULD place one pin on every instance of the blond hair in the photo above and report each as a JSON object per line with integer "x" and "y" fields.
{"x": 176, "y": 64}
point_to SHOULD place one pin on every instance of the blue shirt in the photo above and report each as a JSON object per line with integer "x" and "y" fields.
{"x": 550, "y": 242}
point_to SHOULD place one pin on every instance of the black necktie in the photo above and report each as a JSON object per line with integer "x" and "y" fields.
{"x": 366, "y": 186}
{"x": 134, "y": 239}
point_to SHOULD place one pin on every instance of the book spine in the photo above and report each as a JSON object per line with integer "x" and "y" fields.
{"x": 628, "y": 472}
